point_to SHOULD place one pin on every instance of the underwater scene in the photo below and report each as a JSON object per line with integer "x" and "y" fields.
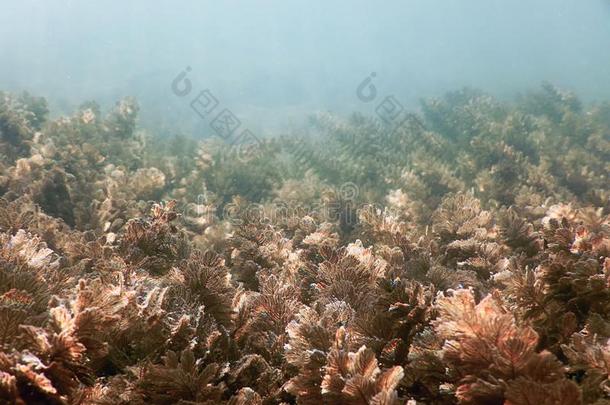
{"x": 290, "y": 202}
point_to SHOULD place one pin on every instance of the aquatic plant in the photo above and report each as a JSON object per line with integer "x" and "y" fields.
{"x": 463, "y": 257}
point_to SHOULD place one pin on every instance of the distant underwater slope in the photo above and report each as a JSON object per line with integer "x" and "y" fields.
{"x": 456, "y": 255}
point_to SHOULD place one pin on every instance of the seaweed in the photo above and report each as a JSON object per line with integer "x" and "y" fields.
{"x": 463, "y": 257}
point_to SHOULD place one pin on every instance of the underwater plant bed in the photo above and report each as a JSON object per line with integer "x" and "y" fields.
{"x": 463, "y": 257}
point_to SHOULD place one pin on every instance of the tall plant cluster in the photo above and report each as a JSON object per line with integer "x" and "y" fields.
{"x": 467, "y": 262}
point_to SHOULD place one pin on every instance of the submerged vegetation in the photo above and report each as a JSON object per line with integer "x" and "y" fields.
{"x": 463, "y": 257}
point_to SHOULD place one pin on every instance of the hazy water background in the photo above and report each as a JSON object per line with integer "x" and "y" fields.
{"x": 272, "y": 62}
